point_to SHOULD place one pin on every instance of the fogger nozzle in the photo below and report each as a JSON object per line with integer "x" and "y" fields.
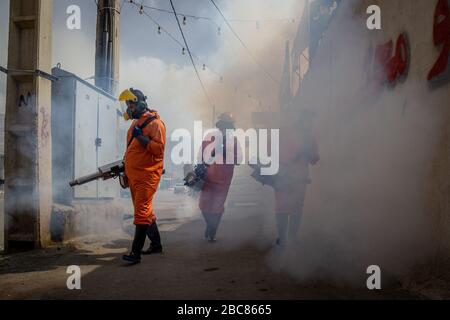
{"x": 86, "y": 179}
{"x": 109, "y": 171}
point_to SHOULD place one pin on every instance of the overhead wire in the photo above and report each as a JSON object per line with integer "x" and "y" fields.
{"x": 192, "y": 54}
{"x": 192, "y": 59}
{"x": 244, "y": 45}
{"x": 171, "y": 36}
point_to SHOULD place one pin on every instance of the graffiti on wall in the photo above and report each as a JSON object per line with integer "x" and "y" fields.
{"x": 388, "y": 63}
{"x": 441, "y": 39}
{"x": 25, "y": 101}
{"x": 45, "y": 130}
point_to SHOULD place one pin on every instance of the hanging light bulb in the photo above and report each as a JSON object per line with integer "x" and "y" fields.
{"x": 219, "y": 30}
{"x": 183, "y": 52}
{"x": 159, "y": 29}
{"x": 184, "y": 20}
{"x": 204, "y": 67}
{"x": 141, "y": 10}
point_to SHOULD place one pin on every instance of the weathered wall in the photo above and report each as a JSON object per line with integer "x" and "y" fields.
{"x": 381, "y": 191}
{"x": 416, "y": 18}
{"x": 4, "y": 28}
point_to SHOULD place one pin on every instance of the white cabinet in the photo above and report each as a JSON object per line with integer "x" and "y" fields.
{"x": 85, "y": 152}
{"x": 108, "y": 151}
{"x": 85, "y": 136}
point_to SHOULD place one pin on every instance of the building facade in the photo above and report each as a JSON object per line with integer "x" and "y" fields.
{"x": 382, "y": 105}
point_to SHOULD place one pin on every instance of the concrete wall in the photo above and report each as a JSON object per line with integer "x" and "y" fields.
{"x": 416, "y": 18}
{"x": 381, "y": 191}
{"x": 4, "y": 27}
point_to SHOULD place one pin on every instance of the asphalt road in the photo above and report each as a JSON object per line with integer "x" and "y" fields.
{"x": 243, "y": 264}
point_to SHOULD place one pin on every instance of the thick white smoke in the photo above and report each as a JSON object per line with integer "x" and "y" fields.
{"x": 367, "y": 204}
{"x": 170, "y": 89}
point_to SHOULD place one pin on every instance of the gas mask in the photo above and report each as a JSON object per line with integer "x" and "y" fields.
{"x": 134, "y": 102}
{"x": 134, "y": 110}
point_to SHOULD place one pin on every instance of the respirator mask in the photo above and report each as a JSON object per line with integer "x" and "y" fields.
{"x": 134, "y": 103}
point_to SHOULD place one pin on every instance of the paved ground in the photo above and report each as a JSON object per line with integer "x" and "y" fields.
{"x": 243, "y": 264}
{"x": 237, "y": 267}
{"x": 189, "y": 269}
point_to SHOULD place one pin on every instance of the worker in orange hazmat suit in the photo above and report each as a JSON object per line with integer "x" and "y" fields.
{"x": 218, "y": 177}
{"x": 298, "y": 150}
{"x": 144, "y": 161}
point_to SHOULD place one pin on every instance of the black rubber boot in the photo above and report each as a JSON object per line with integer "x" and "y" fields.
{"x": 282, "y": 226}
{"x": 153, "y": 250}
{"x": 155, "y": 240}
{"x": 207, "y": 217}
{"x": 294, "y": 226}
{"x": 132, "y": 258}
{"x": 138, "y": 243}
{"x": 215, "y": 222}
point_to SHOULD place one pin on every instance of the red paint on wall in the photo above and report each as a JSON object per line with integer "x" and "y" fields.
{"x": 386, "y": 67}
{"x": 441, "y": 37}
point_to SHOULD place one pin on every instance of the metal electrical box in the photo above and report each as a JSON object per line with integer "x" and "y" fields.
{"x": 85, "y": 135}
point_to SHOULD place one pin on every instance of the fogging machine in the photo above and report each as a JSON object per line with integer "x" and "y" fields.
{"x": 110, "y": 171}
{"x": 195, "y": 177}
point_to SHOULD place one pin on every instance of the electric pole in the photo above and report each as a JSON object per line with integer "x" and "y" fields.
{"x": 107, "y": 46}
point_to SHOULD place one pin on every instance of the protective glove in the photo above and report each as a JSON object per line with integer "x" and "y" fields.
{"x": 137, "y": 132}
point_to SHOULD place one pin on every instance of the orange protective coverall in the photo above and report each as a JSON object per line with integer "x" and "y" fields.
{"x": 217, "y": 183}
{"x": 298, "y": 150}
{"x": 144, "y": 167}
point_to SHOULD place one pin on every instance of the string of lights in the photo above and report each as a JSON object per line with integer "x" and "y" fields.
{"x": 178, "y": 14}
{"x": 192, "y": 59}
{"x": 161, "y": 29}
{"x": 211, "y": 20}
{"x": 195, "y": 17}
{"x": 142, "y": 11}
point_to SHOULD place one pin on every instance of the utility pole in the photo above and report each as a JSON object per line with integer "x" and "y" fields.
{"x": 285, "y": 95}
{"x": 28, "y": 153}
{"x": 107, "y": 46}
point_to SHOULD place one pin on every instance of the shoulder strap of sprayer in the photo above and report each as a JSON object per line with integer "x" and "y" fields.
{"x": 142, "y": 126}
